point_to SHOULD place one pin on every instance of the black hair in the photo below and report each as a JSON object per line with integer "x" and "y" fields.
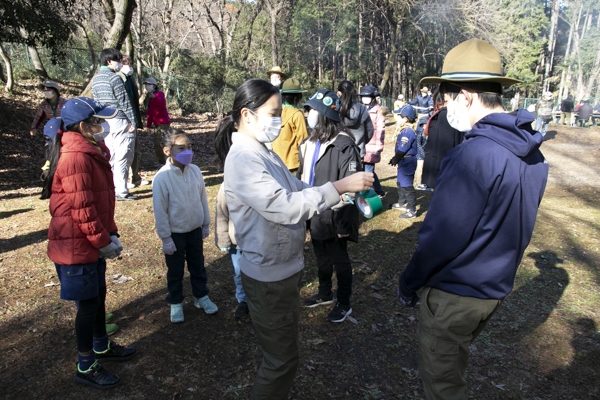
{"x": 348, "y": 93}
{"x": 489, "y": 94}
{"x": 252, "y": 94}
{"x": 54, "y": 155}
{"x": 437, "y": 98}
{"x": 171, "y": 135}
{"x": 326, "y": 130}
{"x": 108, "y": 55}
{"x": 291, "y": 98}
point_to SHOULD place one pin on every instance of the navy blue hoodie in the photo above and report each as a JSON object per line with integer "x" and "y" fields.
{"x": 483, "y": 210}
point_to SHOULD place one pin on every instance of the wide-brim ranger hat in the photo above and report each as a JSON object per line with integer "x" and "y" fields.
{"x": 472, "y": 61}
{"x": 81, "y": 108}
{"x": 291, "y": 86}
{"x": 325, "y": 102}
{"x": 277, "y": 70}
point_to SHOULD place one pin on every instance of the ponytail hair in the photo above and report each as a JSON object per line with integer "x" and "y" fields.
{"x": 53, "y": 155}
{"x": 252, "y": 94}
{"x": 348, "y": 92}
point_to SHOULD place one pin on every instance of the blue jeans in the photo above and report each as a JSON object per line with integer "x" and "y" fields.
{"x": 235, "y": 253}
{"x": 541, "y": 126}
{"x": 376, "y": 185}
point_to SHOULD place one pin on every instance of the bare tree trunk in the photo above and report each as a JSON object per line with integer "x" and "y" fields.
{"x": 9, "y": 70}
{"x": 123, "y": 13}
{"x": 565, "y": 79}
{"x": 551, "y": 44}
{"x": 361, "y": 43}
{"x": 167, "y": 27}
{"x": 391, "y": 57}
{"x": 92, "y": 67}
{"x": 40, "y": 70}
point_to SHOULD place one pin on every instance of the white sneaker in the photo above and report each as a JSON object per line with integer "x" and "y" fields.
{"x": 204, "y": 302}
{"x": 176, "y": 313}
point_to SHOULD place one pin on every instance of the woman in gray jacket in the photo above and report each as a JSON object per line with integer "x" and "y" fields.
{"x": 269, "y": 208}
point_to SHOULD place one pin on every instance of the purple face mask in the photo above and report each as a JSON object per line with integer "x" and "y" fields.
{"x": 184, "y": 157}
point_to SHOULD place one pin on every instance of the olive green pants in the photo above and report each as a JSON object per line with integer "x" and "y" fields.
{"x": 275, "y": 311}
{"x": 448, "y": 324}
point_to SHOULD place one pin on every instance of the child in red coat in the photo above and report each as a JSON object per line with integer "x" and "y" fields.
{"x": 83, "y": 233}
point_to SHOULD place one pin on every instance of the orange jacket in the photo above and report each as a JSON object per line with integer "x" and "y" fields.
{"x": 82, "y": 203}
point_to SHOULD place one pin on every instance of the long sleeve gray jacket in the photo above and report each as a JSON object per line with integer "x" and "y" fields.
{"x": 269, "y": 208}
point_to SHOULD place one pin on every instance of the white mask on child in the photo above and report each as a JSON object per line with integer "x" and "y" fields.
{"x": 149, "y": 88}
{"x": 313, "y": 118}
{"x": 49, "y": 94}
{"x": 366, "y": 100}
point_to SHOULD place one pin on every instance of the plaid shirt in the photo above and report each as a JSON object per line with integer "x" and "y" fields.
{"x": 46, "y": 111}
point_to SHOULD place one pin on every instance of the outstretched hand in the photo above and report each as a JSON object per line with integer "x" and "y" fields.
{"x": 355, "y": 183}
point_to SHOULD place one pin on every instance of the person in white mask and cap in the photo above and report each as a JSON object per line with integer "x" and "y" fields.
{"x": 480, "y": 219}
{"x": 49, "y": 108}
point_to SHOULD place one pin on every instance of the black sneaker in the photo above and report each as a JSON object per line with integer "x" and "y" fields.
{"x": 97, "y": 377}
{"x": 339, "y": 312}
{"x": 318, "y": 300}
{"x": 127, "y": 197}
{"x": 115, "y": 353}
{"x": 241, "y": 311}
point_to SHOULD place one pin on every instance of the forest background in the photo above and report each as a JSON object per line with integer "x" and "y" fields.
{"x": 202, "y": 50}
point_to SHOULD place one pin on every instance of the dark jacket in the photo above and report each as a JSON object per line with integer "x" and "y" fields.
{"x": 359, "y": 124}
{"x": 340, "y": 159}
{"x": 82, "y": 203}
{"x": 482, "y": 212}
{"x": 585, "y": 111}
{"x": 441, "y": 138}
{"x": 567, "y": 105}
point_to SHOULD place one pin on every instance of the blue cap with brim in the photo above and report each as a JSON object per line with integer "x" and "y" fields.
{"x": 52, "y": 127}
{"x": 81, "y": 108}
{"x": 325, "y": 102}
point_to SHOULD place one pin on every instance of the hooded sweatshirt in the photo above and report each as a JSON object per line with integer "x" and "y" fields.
{"x": 483, "y": 211}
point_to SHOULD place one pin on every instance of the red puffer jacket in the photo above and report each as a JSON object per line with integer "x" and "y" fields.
{"x": 82, "y": 203}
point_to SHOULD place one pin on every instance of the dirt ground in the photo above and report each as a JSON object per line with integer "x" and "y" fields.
{"x": 542, "y": 344}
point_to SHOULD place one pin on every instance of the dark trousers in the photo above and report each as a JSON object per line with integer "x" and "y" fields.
{"x": 407, "y": 195}
{"x": 275, "y": 312}
{"x": 330, "y": 253}
{"x": 189, "y": 248}
{"x": 89, "y": 322}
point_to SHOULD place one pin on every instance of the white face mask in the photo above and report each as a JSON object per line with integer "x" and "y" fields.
{"x": 275, "y": 82}
{"x": 149, "y": 88}
{"x": 459, "y": 122}
{"x": 49, "y": 94}
{"x": 105, "y": 131}
{"x": 313, "y": 118}
{"x": 366, "y": 100}
{"x": 268, "y": 128}
{"x": 127, "y": 70}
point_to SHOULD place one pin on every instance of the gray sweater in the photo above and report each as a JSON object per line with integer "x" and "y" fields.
{"x": 269, "y": 208}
